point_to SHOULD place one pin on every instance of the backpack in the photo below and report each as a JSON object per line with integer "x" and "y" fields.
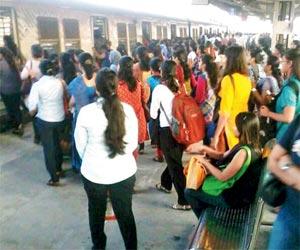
{"x": 268, "y": 127}
{"x": 187, "y": 124}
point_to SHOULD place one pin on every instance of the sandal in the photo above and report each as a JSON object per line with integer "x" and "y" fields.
{"x": 181, "y": 207}
{"x": 159, "y": 187}
{"x": 53, "y": 183}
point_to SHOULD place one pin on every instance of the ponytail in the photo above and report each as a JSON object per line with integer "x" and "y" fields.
{"x": 86, "y": 62}
{"x": 106, "y": 84}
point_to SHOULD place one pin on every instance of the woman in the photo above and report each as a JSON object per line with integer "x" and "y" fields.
{"x": 162, "y": 99}
{"x": 68, "y": 69}
{"x": 106, "y": 136}
{"x": 284, "y": 163}
{"x": 46, "y": 102}
{"x": 268, "y": 87}
{"x": 144, "y": 60}
{"x": 82, "y": 92}
{"x": 232, "y": 181}
{"x": 205, "y": 93}
{"x": 288, "y": 102}
{"x": 10, "y": 86}
{"x": 234, "y": 92}
{"x": 131, "y": 92}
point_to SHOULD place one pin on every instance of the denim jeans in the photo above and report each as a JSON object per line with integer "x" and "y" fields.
{"x": 200, "y": 200}
{"x": 286, "y": 229}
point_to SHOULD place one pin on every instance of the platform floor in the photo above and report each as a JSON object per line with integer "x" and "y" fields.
{"x": 35, "y": 216}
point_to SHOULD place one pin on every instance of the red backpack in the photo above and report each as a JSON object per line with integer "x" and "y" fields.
{"x": 187, "y": 124}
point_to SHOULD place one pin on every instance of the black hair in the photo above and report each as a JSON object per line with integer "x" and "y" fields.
{"x": 68, "y": 67}
{"x": 48, "y": 68}
{"x": 273, "y": 61}
{"x": 155, "y": 64}
{"x": 106, "y": 84}
{"x": 211, "y": 69}
{"x": 180, "y": 53}
{"x": 280, "y": 48}
{"x": 143, "y": 58}
{"x": 122, "y": 49}
{"x": 294, "y": 56}
{"x": 36, "y": 51}
{"x": 168, "y": 75}
{"x": 86, "y": 62}
{"x": 126, "y": 73}
{"x": 10, "y": 44}
{"x": 9, "y": 58}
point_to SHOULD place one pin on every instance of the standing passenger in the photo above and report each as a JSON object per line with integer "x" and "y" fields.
{"x": 106, "y": 136}
{"x": 131, "y": 91}
{"x": 82, "y": 92}
{"x": 162, "y": 100}
{"x": 10, "y": 85}
{"x": 46, "y": 101}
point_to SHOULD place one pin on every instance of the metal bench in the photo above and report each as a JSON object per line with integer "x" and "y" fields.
{"x": 223, "y": 228}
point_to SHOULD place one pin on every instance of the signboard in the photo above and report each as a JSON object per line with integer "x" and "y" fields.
{"x": 200, "y": 2}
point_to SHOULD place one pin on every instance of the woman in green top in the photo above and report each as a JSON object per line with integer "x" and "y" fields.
{"x": 288, "y": 102}
{"x": 233, "y": 176}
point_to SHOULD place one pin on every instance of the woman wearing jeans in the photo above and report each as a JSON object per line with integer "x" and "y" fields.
{"x": 106, "y": 135}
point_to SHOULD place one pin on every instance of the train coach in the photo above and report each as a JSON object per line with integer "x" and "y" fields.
{"x": 61, "y": 25}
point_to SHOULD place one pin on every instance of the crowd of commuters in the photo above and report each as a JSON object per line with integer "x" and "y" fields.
{"x": 108, "y": 104}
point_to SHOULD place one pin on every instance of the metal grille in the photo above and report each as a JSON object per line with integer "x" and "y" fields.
{"x": 6, "y": 27}
{"x": 122, "y": 34}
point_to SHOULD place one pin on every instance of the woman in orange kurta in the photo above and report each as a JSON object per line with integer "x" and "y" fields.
{"x": 131, "y": 92}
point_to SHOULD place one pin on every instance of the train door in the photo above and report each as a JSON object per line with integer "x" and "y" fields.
{"x": 146, "y": 31}
{"x": 6, "y": 24}
{"x": 100, "y": 31}
{"x": 173, "y": 31}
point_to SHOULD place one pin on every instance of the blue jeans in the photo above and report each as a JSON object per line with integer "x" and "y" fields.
{"x": 200, "y": 200}
{"x": 286, "y": 229}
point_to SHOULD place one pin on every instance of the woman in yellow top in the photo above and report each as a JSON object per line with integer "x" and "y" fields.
{"x": 234, "y": 92}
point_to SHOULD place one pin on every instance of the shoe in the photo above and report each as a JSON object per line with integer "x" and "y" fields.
{"x": 141, "y": 151}
{"x": 158, "y": 159}
{"x": 19, "y": 131}
{"x": 182, "y": 207}
{"x": 53, "y": 183}
{"x": 159, "y": 187}
{"x": 61, "y": 174}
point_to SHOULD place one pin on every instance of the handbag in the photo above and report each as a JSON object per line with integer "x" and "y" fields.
{"x": 273, "y": 191}
{"x": 195, "y": 173}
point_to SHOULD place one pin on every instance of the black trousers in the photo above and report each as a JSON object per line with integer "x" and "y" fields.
{"x": 12, "y": 106}
{"x": 50, "y": 133}
{"x": 173, "y": 174}
{"x": 121, "y": 198}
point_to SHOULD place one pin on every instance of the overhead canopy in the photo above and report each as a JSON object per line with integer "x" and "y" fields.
{"x": 261, "y": 8}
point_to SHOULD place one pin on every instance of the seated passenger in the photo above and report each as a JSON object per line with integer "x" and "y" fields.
{"x": 233, "y": 177}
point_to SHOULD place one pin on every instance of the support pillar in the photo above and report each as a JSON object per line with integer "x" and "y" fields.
{"x": 283, "y": 17}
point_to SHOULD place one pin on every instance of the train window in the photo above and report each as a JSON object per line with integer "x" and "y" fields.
{"x": 99, "y": 31}
{"x": 158, "y": 33}
{"x": 122, "y": 34}
{"x": 6, "y": 25}
{"x": 146, "y": 30}
{"x": 48, "y": 34}
{"x": 183, "y": 32}
{"x": 71, "y": 32}
{"x": 173, "y": 31}
{"x": 132, "y": 35}
{"x": 200, "y": 30}
{"x": 165, "y": 32}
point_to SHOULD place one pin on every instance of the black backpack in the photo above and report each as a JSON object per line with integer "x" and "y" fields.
{"x": 268, "y": 126}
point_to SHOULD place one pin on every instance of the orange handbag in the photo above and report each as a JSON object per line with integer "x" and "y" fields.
{"x": 195, "y": 173}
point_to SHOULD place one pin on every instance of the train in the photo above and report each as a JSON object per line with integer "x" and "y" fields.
{"x": 59, "y": 25}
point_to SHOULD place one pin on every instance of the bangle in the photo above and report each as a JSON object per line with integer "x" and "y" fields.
{"x": 286, "y": 166}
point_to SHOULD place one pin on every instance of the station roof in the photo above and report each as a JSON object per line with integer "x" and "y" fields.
{"x": 261, "y": 8}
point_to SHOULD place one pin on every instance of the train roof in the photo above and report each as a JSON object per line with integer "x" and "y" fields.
{"x": 94, "y": 7}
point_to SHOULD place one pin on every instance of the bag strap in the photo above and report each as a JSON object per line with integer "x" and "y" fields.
{"x": 162, "y": 108}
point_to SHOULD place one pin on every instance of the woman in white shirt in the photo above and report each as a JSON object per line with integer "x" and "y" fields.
{"x": 106, "y": 135}
{"x": 46, "y": 101}
{"x": 162, "y": 99}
